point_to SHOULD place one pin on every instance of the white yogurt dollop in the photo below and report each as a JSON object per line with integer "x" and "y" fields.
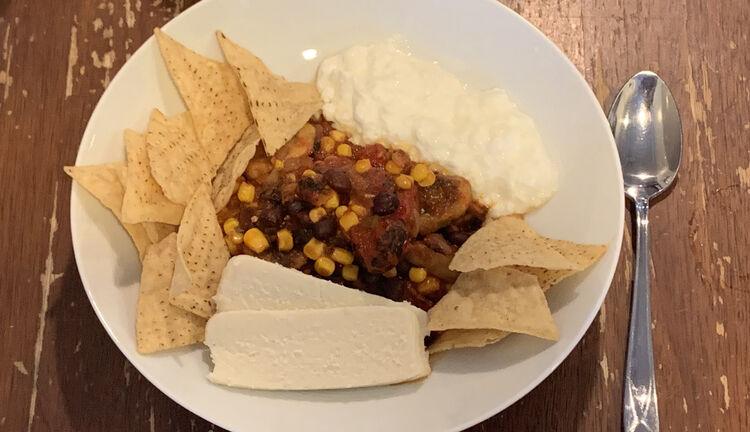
{"x": 380, "y": 93}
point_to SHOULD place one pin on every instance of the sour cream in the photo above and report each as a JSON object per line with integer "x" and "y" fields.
{"x": 381, "y": 93}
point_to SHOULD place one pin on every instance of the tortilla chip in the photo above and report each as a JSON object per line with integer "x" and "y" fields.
{"x": 158, "y": 324}
{"x": 582, "y": 255}
{"x": 156, "y": 231}
{"x": 500, "y": 299}
{"x": 104, "y": 182}
{"x": 233, "y": 167}
{"x": 213, "y": 95}
{"x": 547, "y": 278}
{"x": 465, "y": 338}
{"x": 509, "y": 241}
{"x": 201, "y": 257}
{"x": 280, "y": 108}
{"x": 144, "y": 200}
{"x": 178, "y": 162}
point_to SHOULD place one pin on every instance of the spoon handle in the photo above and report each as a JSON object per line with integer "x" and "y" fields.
{"x": 640, "y": 411}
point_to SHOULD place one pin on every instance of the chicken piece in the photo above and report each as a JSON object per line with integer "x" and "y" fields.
{"x": 419, "y": 254}
{"x": 438, "y": 243}
{"x": 300, "y": 145}
{"x": 442, "y": 202}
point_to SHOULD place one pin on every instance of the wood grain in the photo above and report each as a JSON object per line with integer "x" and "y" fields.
{"x": 60, "y": 371}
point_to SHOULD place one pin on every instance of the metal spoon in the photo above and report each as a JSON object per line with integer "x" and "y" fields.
{"x": 648, "y": 134}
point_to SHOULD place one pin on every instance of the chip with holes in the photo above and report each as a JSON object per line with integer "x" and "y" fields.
{"x": 499, "y": 299}
{"x": 201, "y": 256}
{"x": 279, "y": 107}
{"x": 178, "y": 162}
{"x": 144, "y": 199}
{"x": 159, "y": 325}
{"x": 213, "y": 95}
{"x": 233, "y": 167}
{"x": 106, "y": 183}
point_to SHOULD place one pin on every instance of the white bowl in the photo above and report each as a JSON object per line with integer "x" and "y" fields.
{"x": 485, "y": 44}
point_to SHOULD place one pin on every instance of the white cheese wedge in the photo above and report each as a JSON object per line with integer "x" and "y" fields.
{"x": 250, "y": 283}
{"x": 306, "y": 349}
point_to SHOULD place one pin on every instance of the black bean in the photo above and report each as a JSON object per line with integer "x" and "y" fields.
{"x": 392, "y": 240}
{"x": 403, "y": 268}
{"x": 325, "y": 228}
{"x": 303, "y": 218}
{"x": 473, "y": 224}
{"x": 310, "y": 183}
{"x": 295, "y": 205}
{"x": 457, "y": 237}
{"x": 270, "y": 217}
{"x": 380, "y": 262}
{"x": 302, "y": 236}
{"x": 371, "y": 283}
{"x": 394, "y": 289}
{"x": 338, "y": 180}
{"x": 272, "y": 194}
{"x": 339, "y": 240}
{"x": 385, "y": 203}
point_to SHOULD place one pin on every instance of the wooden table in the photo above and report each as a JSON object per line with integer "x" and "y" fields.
{"x": 60, "y": 371}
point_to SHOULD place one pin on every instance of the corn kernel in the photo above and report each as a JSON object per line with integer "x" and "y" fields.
{"x": 348, "y": 220}
{"x": 327, "y": 144}
{"x": 419, "y": 172}
{"x": 316, "y": 214}
{"x": 350, "y": 272}
{"x": 342, "y": 256}
{"x": 291, "y": 177}
{"x": 324, "y": 266}
{"x": 362, "y": 165}
{"x": 356, "y": 208}
{"x": 344, "y": 150}
{"x": 337, "y": 135}
{"x": 236, "y": 237}
{"x": 314, "y": 249}
{"x": 393, "y": 167}
{"x": 390, "y": 273}
{"x": 332, "y": 202}
{"x": 285, "y": 240}
{"x": 231, "y": 246}
{"x": 255, "y": 240}
{"x": 278, "y": 164}
{"x": 403, "y": 181}
{"x": 340, "y": 210}
{"x": 230, "y": 225}
{"x": 246, "y": 192}
{"x": 428, "y": 181}
{"x": 429, "y": 286}
{"x": 308, "y": 173}
{"x": 417, "y": 274}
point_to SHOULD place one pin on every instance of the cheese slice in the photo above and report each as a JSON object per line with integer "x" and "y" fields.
{"x": 306, "y": 349}
{"x": 249, "y": 283}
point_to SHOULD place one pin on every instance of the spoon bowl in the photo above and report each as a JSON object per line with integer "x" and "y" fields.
{"x": 646, "y": 124}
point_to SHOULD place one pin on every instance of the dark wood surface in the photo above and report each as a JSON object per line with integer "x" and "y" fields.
{"x": 60, "y": 371}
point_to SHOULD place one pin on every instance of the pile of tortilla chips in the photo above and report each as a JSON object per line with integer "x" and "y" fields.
{"x": 184, "y": 169}
{"x": 505, "y": 268}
